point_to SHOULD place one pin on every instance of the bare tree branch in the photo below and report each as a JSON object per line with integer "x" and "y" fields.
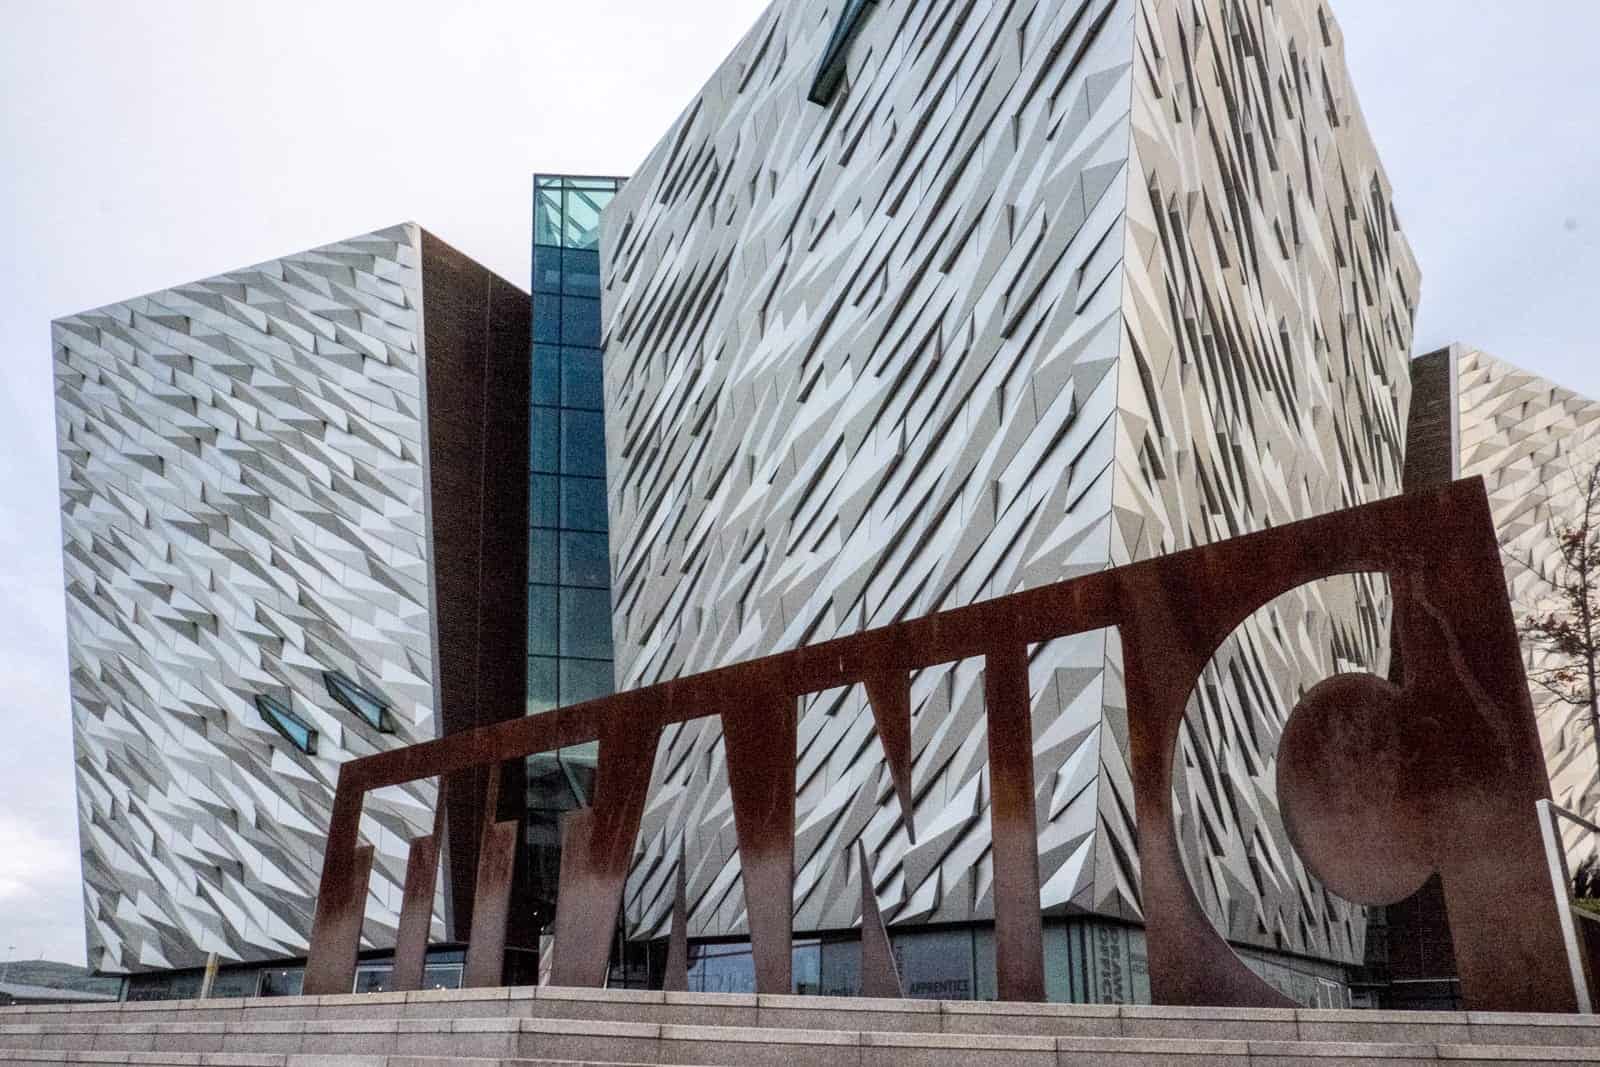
{"x": 1567, "y": 626}
{"x": 1529, "y": 566}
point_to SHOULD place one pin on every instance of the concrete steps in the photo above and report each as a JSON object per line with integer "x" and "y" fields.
{"x": 527, "y": 1027}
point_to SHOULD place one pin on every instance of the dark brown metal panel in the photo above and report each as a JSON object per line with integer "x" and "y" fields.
{"x": 486, "y": 953}
{"x": 879, "y": 976}
{"x": 583, "y": 924}
{"x": 502, "y": 599}
{"x": 676, "y": 978}
{"x": 455, "y": 300}
{"x": 760, "y": 737}
{"x": 596, "y": 848}
{"x": 343, "y": 934}
{"x": 1432, "y": 426}
{"x": 416, "y": 907}
{"x": 1018, "y": 927}
{"x": 476, "y": 369}
{"x": 341, "y": 898}
{"x": 416, "y": 914}
{"x": 1465, "y": 729}
{"x": 889, "y": 695}
{"x": 1485, "y": 776}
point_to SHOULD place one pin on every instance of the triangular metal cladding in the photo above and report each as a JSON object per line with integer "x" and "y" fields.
{"x": 879, "y": 976}
{"x": 676, "y": 977}
{"x": 889, "y": 694}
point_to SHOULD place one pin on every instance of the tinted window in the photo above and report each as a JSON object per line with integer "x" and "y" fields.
{"x": 542, "y": 556}
{"x": 547, "y": 217}
{"x": 546, "y": 374}
{"x": 546, "y": 320}
{"x": 547, "y": 270}
{"x": 281, "y": 983}
{"x": 581, "y": 378}
{"x": 294, "y": 729}
{"x": 365, "y": 703}
{"x": 584, "y": 679}
{"x": 583, "y": 503}
{"x": 580, "y": 271}
{"x": 580, "y": 320}
{"x": 583, "y": 213}
{"x": 936, "y": 964}
{"x": 544, "y": 497}
{"x": 544, "y": 433}
{"x": 541, "y": 620}
{"x": 586, "y": 623}
{"x": 583, "y": 443}
{"x": 541, "y": 684}
{"x": 584, "y": 559}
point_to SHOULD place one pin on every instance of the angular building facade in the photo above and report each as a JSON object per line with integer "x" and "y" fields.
{"x": 920, "y": 304}
{"x": 1535, "y": 444}
{"x": 278, "y": 489}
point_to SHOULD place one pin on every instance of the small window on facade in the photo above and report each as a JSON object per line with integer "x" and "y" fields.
{"x": 294, "y": 729}
{"x": 371, "y": 707}
{"x": 830, "y": 73}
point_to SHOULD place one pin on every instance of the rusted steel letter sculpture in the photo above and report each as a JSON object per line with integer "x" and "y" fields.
{"x": 1381, "y": 785}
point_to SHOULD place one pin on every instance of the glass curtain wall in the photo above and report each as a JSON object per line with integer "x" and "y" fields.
{"x": 569, "y": 568}
{"x": 569, "y": 565}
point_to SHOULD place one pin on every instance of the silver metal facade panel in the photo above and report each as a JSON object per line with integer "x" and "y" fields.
{"x": 1051, "y": 286}
{"x": 243, "y": 508}
{"x": 1267, "y": 321}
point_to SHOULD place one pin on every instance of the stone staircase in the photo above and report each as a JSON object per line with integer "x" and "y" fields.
{"x": 528, "y": 1027}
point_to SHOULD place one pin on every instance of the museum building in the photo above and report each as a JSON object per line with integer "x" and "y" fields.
{"x": 280, "y": 490}
{"x": 936, "y": 303}
{"x": 916, "y": 305}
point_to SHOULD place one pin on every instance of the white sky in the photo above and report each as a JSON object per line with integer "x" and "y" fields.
{"x": 146, "y": 144}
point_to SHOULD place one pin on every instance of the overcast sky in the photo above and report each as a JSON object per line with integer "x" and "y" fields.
{"x": 151, "y": 142}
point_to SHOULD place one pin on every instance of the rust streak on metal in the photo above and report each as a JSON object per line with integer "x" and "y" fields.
{"x": 889, "y": 696}
{"x": 596, "y": 847}
{"x": 416, "y": 915}
{"x": 1018, "y": 926}
{"x": 486, "y": 952}
{"x": 341, "y": 899}
{"x": 416, "y": 906}
{"x": 760, "y": 735}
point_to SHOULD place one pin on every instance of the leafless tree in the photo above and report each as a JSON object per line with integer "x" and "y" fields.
{"x": 1567, "y": 625}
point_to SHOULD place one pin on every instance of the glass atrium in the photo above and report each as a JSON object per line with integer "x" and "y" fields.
{"x": 569, "y": 564}
{"x": 569, "y": 569}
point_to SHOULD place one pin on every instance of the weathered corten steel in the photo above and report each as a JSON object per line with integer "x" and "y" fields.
{"x": 484, "y": 967}
{"x": 889, "y": 697}
{"x": 1018, "y": 924}
{"x": 341, "y": 899}
{"x": 1381, "y": 784}
{"x": 416, "y": 906}
{"x": 596, "y": 847}
{"x": 761, "y": 779}
{"x": 416, "y": 915}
